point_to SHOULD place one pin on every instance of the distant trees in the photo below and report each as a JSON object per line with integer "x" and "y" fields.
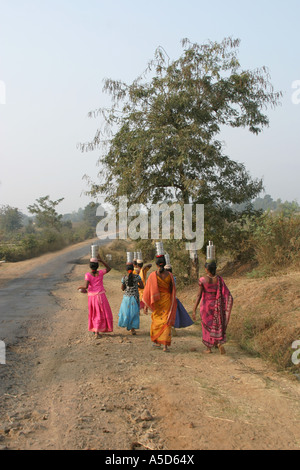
{"x": 89, "y": 214}
{"x": 45, "y": 213}
{"x": 24, "y": 237}
{"x": 267, "y": 203}
{"x": 11, "y": 219}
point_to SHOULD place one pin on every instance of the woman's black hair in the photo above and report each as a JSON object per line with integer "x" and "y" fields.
{"x": 129, "y": 267}
{"x": 212, "y": 267}
{"x": 160, "y": 260}
{"x": 94, "y": 266}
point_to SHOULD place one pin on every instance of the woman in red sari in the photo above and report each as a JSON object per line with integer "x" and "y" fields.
{"x": 215, "y": 308}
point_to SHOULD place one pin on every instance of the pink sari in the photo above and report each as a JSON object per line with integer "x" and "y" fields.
{"x": 215, "y": 310}
{"x": 100, "y": 314}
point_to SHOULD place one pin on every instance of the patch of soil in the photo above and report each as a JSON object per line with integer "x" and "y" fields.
{"x": 63, "y": 389}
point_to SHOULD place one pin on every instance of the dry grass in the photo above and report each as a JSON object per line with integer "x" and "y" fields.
{"x": 266, "y": 316}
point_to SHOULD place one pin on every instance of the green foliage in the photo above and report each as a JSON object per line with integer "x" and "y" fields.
{"x": 180, "y": 260}
{"x": 147, "y": 247}
{"x": 30, "y": 243}
{"x": 117, "y": 249}
{"x": 267, "y": 203}
{"x": 276, "y": 240}
{"x": 10, "y": 219}
{"x": 159, "y": 140}
{"x": 166, "y": 128}
{"x": 45, "y": 213}
{"x": 90, "y": 214}
{"x": 49, "y": 233}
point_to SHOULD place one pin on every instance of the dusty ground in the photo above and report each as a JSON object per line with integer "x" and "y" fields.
{"x": 63, "y": 389}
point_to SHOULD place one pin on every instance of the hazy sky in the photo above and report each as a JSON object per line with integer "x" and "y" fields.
{"x": 54, "y": 55}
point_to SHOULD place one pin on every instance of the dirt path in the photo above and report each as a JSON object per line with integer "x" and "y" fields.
{"x": 63, "y": 389}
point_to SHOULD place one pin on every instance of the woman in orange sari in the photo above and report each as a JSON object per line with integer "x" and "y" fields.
{"x": 143, "y": 270}
{"x": 160, "y": 296}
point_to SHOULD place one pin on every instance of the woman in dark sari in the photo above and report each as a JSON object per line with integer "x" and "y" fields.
{"x": 129, "y": 314}
{"x": 215, "y": 308}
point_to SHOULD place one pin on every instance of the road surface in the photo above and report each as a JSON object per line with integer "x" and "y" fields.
{"x": 29, "y": 295}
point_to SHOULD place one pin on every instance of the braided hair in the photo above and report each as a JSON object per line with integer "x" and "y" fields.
{"x": 129, "y": 268}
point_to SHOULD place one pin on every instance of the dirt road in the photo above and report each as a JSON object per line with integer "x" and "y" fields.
{"x": 63, "y": 389}
{"x": 27, "y": 286}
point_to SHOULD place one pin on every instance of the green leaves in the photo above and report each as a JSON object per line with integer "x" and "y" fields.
{"x": 45, "y": 212}
{"x": 159, "y": 139}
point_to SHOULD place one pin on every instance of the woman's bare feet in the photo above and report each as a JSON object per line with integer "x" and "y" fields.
{"x": 207, "y": 351}
{"x": 221, "y": 349}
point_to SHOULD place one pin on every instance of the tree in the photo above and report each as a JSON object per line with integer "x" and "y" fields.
{"x": 45, "y": 212}
{"x": 89, "y": 214}
{"x": 160, "y": 138}
{"x": 265, "y": 203}
{"x": 11, "y": 219}
{"x": 167, "y": 128}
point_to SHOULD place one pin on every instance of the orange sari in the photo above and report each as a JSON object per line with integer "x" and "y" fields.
{"x": 143, "y": 274}
{"x": 160, "y": 296}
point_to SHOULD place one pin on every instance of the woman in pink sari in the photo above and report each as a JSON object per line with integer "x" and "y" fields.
{"x": 215, "y": 308}
{"x": 100, "y": 314}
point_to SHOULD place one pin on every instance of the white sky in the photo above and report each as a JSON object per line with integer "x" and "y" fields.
{"x": 54, "y": 55}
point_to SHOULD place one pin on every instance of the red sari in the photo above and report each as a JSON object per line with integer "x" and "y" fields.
{"x": 215, "y": 310}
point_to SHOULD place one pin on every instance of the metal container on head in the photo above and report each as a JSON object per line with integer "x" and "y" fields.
{"x": 167, "y": 258}
{"x": 210, "y": 252}
{"x": 159, "y": 248}
{"x": 94, "y": 251}
{"x": 129, "y": 257}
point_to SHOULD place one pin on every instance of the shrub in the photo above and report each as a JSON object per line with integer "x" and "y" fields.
{"x": 276, "y": 240}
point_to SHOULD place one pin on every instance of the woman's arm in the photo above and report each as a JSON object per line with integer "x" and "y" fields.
{"x": 199, "y": 295}
{"x": 108, "y": 268}
{"x": 85, "y": 286}
{"x": 141, "y": 284}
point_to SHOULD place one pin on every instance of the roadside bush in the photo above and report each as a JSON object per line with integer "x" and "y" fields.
{"x": 29, "y": 245}
{"x": 276, "y": 241}
{"x": 117, "y": 249}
